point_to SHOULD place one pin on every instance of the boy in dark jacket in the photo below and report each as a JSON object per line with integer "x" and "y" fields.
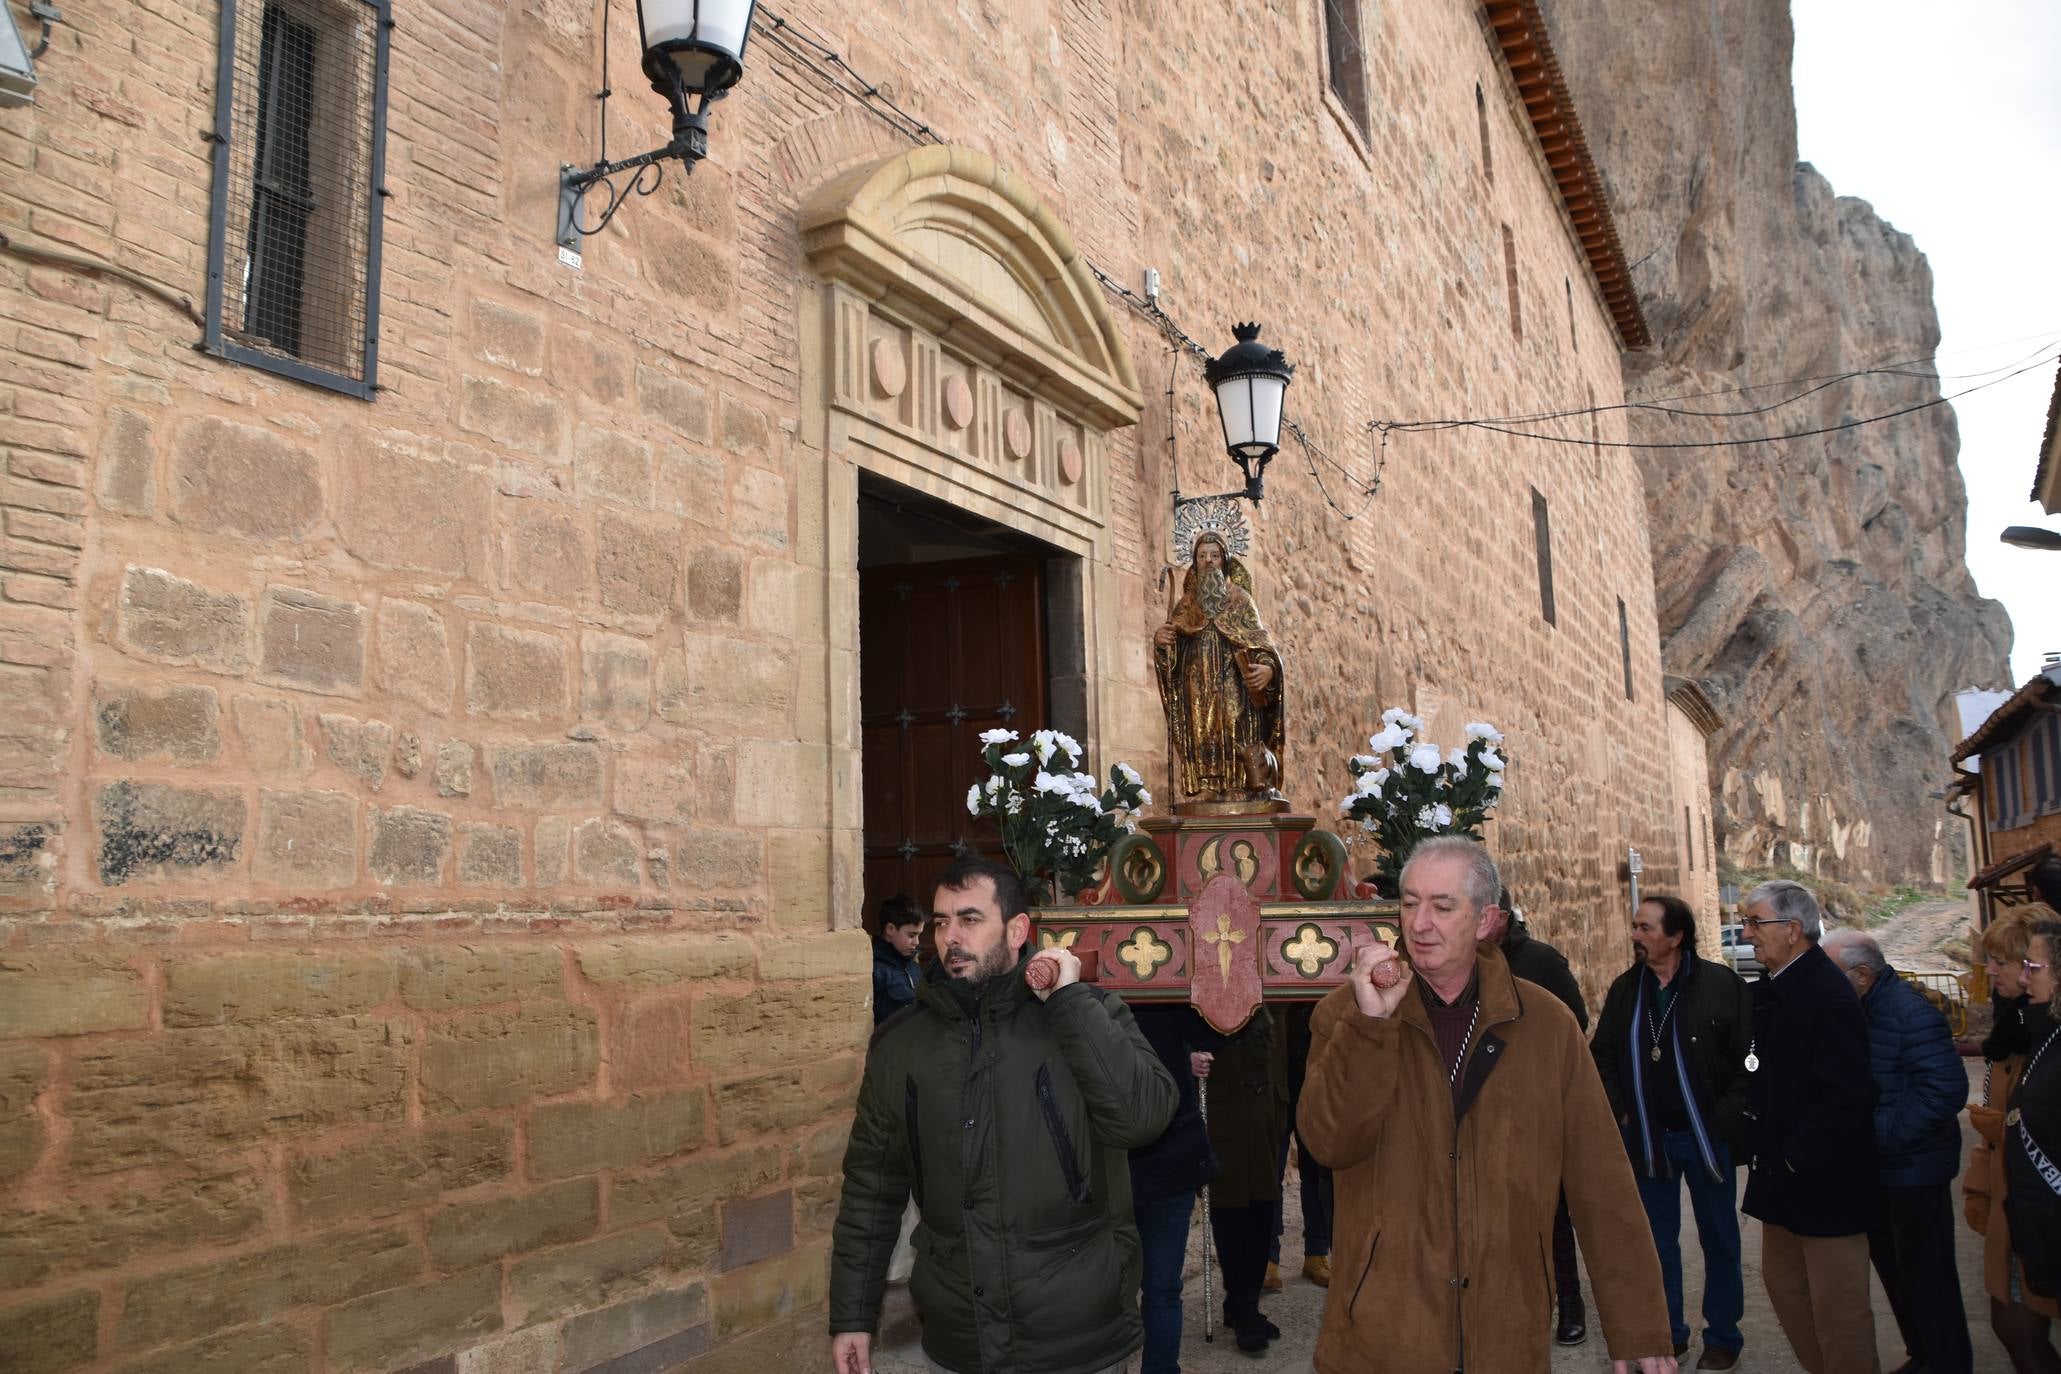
{"x": 1918, "y": 1154}
{"x": 894, "y": 955}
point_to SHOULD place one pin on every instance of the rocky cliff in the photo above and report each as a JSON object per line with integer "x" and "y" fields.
{"x": 1815, "y": 588}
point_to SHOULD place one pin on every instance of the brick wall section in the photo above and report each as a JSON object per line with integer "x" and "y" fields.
{"x": 415, "y": 939}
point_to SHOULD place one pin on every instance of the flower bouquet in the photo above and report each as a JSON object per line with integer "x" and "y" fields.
{"x": 1057, "y": 822}
{"x": 1405, "y": 790}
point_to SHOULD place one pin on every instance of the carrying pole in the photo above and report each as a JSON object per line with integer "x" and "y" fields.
{"x": 1209, "y": 1311}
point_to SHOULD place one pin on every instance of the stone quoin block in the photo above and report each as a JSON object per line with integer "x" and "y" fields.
{"x": 508, "y": 337}
{"x": 306, "y": 840}
{"x": 408, "y": 845}
{"x": 500, "y": 1058}
{"x": 568, "y": 1138}
{"x": 656, "y": 789}
{"x": 414, "y": 654}
{"x": 661, "y": 963}
{"x": 609, "y": 466}
{"x": 540, "y": 776}
{"x": 404, "y": 509}
{"x": 127, "y": 1225}
{"x": 550, "y": 552}
{"x": 715, "y": 585}
{"x": 680, "y": 405}
{"x": 813, "y": 1020}
{"x": 167, "y": 618}
{"x": 259, "y": 989}
{"x": 149, "y": 830}
{"x": 517, "y": 674}
{"x": 518, "y": 417}
{"x": 230, "y": 478}
{"x": 189, "y": 1096}
{"x": 311, "y": 641}
{"x": 362, "y": 748}
{"x": 440, "y": 977}
{"x": 758, "y": 508}
{"x": 692, "y": 485}
{"x": 395, "y": 1171}
{"x": 127, "y": 463}
{"x": 615, "y": 680}
{"x": 489, "y": 856}
{"x": 707, "y": 858}
{"x": 637, "y": 563}
{"x": 468, "y": 1233}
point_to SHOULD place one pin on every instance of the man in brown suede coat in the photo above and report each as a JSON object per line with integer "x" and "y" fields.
{"x": 1449, "y": 1163}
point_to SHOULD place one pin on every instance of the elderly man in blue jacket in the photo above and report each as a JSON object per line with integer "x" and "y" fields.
{"x": 1918, "y": 1154}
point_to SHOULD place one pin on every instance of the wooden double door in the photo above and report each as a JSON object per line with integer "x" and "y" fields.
{"x": 946, "y": 651}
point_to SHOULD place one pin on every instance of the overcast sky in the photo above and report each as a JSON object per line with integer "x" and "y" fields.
{"x": 1947, "y": 118}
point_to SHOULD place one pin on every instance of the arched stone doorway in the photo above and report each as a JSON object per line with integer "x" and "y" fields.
{"x": 959, "y": 349}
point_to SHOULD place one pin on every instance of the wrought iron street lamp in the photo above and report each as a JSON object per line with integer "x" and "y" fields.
{"x": 1250, "y": 381}
{"x": 693, "y": 55}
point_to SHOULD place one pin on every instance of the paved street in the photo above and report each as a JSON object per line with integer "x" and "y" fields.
{"x": 1298, "y": 1308}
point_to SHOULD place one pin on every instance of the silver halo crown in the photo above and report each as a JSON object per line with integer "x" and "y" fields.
{"x": 1222, "y": 516}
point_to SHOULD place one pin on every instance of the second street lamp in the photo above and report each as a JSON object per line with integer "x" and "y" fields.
{"x": 2031, "y": 537}
{"x": 1250, "y": 381}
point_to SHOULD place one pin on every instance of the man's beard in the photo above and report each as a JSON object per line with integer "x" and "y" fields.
{"x": 1213, "y": 590}
{"x": 993, "y": 964}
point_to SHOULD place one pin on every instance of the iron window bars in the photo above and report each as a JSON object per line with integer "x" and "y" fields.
{"x": 300, "y": 161}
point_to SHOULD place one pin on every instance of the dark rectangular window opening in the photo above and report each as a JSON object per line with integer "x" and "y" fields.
{"x": 1689, "y": 838}
{"x": 1346, "y": 61}
{"x": 1510, "y": 277}
{"x": 1624, "y": 644}
{"x": 1574, "y": 340}
{"x": 1488, "y": 165}
{"x": 295, "y": 219}
{"x": 1542, "y": 532}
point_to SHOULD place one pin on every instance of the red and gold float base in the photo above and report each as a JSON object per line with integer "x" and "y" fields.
{"x": 1226, "y": 912}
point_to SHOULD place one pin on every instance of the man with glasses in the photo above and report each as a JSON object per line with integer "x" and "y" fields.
{"x": 1810, "y": 1130}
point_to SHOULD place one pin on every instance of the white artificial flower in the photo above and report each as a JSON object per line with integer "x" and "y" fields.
{"x": 973, "y": 800}
{"x": 1370, "y": 825}
{"x": 1457, "y": 758}
{"x": 1144, "y": 797}
{"x": 1345, "y": 808}
{"x": 1442, "y": 814}
{"x": 1087, "y": 802}
{"x": 996, "y": 784}
{"x": 1496, "y": 781}
{"x": 1361, "y": 763}
{"x": 1015, "y": 803}
{"x": 1067, "y": 742}
{"x": 1051, "y": 827}
{"x": 1086, "y": 783}
{"x": 1016, "y": 760}
{"x": 1042, "y": 744}
{"x": 1427, "y": 818}
{"x": 1128, "y": 773}
{"x": 1394, "y": 714}
{"x": 997, "y": 736}
{"x": 1424, "y": 758}
{"x": 1483, "y": 730}
{"x": 1369, "y": 784}
{"x": 1058, "y": 784}
{"x": 1391, "y": 737}
{"x": 1491, "y": 760}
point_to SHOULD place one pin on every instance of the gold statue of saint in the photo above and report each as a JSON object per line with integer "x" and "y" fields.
{"x": 1220, "y": 682}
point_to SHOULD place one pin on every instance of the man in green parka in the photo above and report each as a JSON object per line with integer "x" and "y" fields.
{"x": 1007, "y": 1111}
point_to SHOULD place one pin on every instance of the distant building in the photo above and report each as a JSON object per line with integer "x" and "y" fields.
{"x": 2009, "y": 773}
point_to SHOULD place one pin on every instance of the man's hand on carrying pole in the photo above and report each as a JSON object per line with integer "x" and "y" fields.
{"x": 1061, "y": 967}
{"x": 851, "y": 1352}
{"x": 1379, "y": 979}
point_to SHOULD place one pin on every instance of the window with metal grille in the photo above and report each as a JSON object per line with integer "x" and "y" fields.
{"x": 1542, "y": 533}
{"x": 300, "y": 143}
{"x": 1345, "y": 62}
{"x": 2004, "y": 778}
{"x": 1624, "y": 646}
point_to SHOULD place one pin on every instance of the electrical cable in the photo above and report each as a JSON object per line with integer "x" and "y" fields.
{"x": 58, "y": 257}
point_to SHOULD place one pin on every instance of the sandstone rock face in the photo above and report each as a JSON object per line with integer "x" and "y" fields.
{"x": 1815, "y": 587}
